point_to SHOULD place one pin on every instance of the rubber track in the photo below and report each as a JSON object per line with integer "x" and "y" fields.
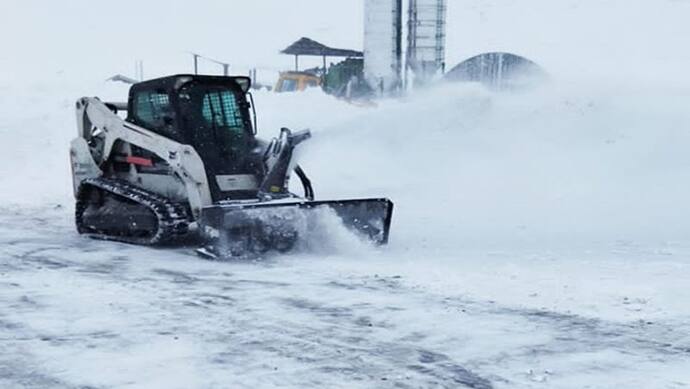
{"x": 173, "y": 218}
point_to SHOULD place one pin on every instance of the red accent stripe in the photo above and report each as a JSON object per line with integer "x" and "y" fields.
{"x": 139, "y": 161}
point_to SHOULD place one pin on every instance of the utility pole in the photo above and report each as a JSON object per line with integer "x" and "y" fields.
{"x": 196, "y": 63}
{"x": 140, "y": 70}
{"x": 226, "y": 66}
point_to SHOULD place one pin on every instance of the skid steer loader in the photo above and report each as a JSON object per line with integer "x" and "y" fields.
{"x": 186, "y": 160}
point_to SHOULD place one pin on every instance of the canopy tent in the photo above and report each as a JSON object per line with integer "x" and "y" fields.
{"x": 310, "y": 47}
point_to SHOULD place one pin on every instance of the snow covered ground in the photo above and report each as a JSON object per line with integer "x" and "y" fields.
{"x": 540, "y": 240}
{"x": 82, "y": 313}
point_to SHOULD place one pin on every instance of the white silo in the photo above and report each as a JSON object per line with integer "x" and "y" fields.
{"x": 383, "y": 45}
{"x": 426, "y": 40}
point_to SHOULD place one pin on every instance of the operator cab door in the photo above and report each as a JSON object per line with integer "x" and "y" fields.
{"x": 217, "y": 123}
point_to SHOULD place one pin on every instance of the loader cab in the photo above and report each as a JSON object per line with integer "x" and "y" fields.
{"x": 210, "y": 113}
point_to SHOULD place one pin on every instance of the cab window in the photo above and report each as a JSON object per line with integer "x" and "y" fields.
{"x": 220, "y": 108}
{"x": 151, "y": 107}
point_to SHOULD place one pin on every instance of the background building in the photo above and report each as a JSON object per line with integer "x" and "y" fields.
{"x": 426, "y": 40}
{"x": 383, "y": 45}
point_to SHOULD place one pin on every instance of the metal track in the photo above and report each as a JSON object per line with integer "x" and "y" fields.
{"x": 172, "y": 219}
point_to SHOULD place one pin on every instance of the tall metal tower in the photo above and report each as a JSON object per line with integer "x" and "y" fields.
{"x": 426, "y": 40}
{"x": 383, "y": 45}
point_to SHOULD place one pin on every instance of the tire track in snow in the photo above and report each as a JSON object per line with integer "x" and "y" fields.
{"x": 274, "y": 322}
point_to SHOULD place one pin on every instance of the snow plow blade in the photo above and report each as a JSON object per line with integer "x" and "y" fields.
{"x": 280, "y": 223}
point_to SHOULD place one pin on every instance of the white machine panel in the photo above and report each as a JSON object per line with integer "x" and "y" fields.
{"x": 237, "y": 182}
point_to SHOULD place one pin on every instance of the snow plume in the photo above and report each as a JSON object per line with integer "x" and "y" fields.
{"x": 263, "y": 232}
{"x": 326, "y": 235}
{"x": 577, "y": 160}
{"x": 565, "y": 163}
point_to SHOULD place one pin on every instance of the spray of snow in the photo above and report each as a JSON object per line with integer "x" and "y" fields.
{"x": 326, "y": 235}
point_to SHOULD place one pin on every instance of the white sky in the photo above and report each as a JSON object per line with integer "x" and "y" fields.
{"x": 89, "y": 38}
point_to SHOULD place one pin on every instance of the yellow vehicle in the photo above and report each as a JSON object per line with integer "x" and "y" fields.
{"x": 296, "y": 81}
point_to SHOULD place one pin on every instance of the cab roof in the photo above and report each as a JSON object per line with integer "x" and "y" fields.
{"x": 175, "y": 82}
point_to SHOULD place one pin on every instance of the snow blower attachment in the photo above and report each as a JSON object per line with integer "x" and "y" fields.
{"x": 186, "y": 158}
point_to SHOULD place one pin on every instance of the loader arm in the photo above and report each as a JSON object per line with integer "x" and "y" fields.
{"x": 95, "y": 116}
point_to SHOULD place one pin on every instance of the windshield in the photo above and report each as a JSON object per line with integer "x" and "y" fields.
{"x": 213, "y": 106}
{"x": 288, "y": 85}
{"x": 220, "y": 108}
{"x": 216, "y": 118}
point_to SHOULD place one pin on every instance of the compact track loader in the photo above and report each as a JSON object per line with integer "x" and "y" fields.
{"x": 186, "y": 160}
